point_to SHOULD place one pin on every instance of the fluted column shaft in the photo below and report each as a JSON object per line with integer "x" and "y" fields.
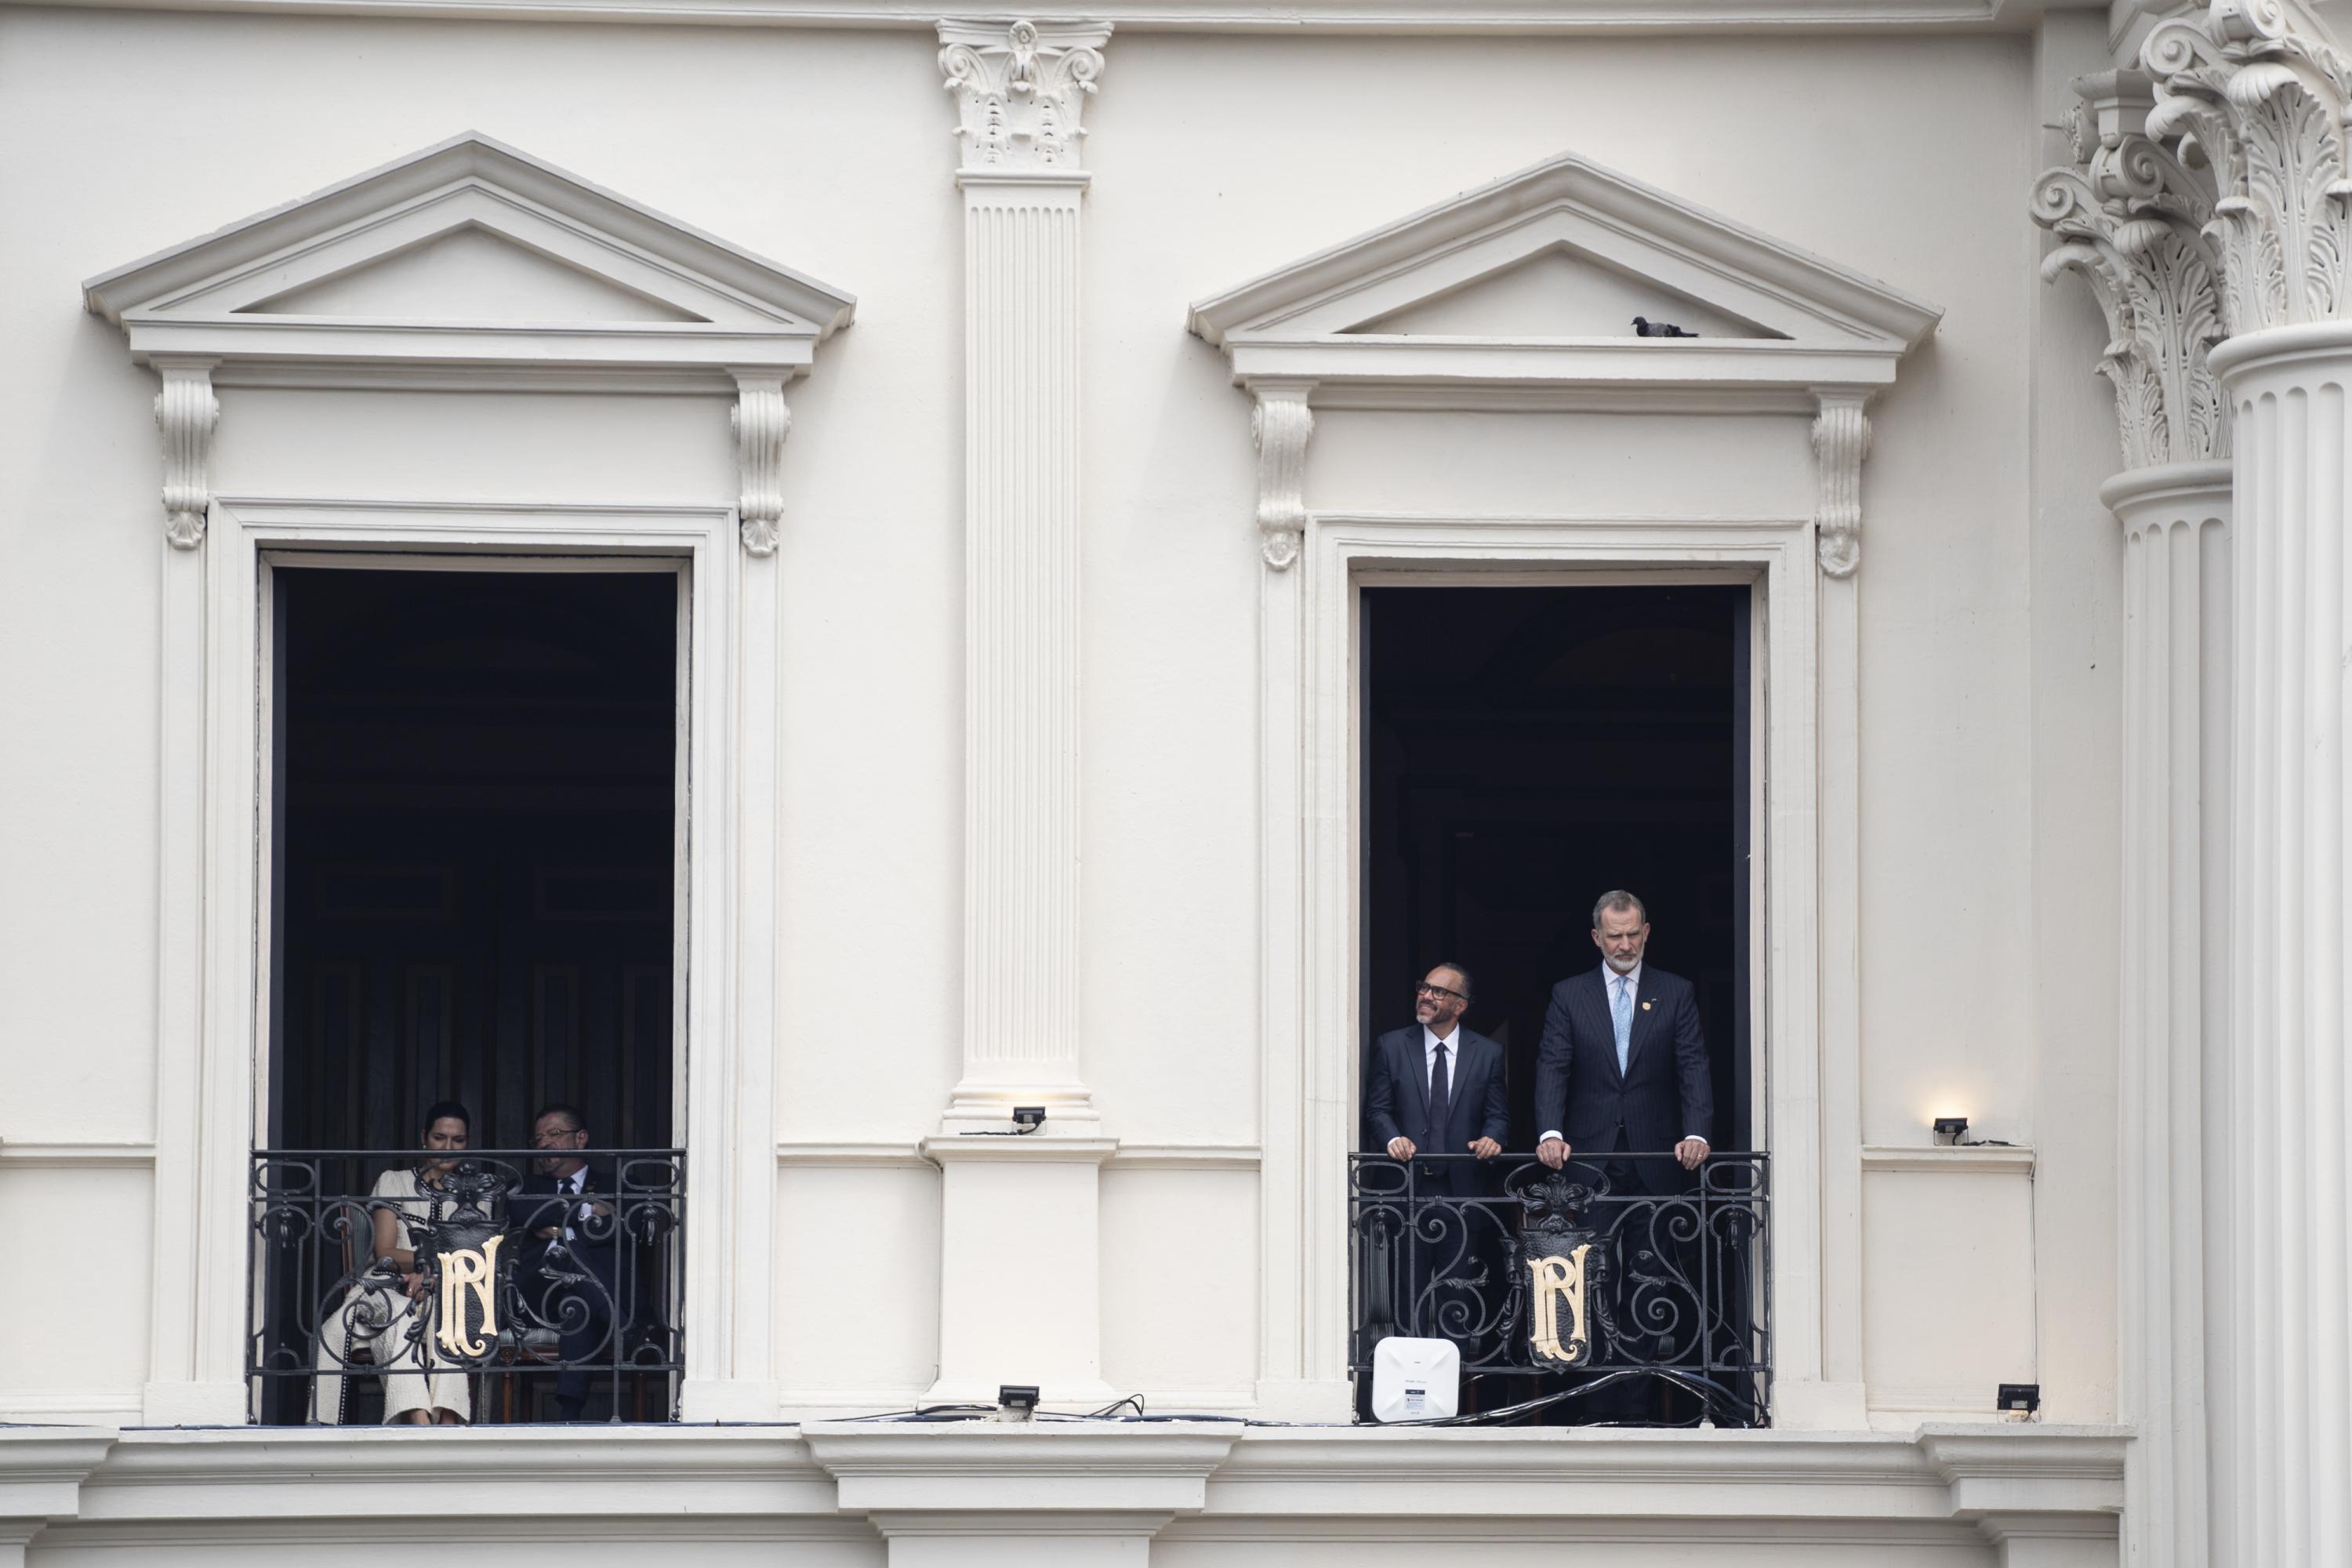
{"x": 2288, "y": 1455}
{"x": 1021, "y": 734}
{"x": 2174, "y": 1069}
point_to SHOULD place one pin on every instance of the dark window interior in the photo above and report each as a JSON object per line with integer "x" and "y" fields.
{"x": 474, "y": 852}
{"x": 1526, "y": 749}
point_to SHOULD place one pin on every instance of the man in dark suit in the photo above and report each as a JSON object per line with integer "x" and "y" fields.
{"x": 564, "y": 1260}
{"x": 1622, "y": 1065}
{"x": 1436, "y": 1088}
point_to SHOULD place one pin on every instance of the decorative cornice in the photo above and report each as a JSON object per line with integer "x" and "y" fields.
{"x": 2260, "y": 95}
{"x": 1280, "y": 424}
{"x": 1841, "y": 440}
{"x": 2131, "y": 219}
{"x": 761, "y": 420}
{"x": 1021, "y": 91}
{"x": 1420, "y": 19}
{"x": 186, "y": 412}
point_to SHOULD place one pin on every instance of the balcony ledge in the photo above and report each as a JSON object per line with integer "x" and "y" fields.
{"x": 161, "y": 1485}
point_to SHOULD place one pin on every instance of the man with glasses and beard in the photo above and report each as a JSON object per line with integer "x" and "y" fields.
{"x": 1435, "y": 1088}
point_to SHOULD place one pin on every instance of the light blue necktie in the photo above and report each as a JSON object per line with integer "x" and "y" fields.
{"x": 1620, "y": 1012}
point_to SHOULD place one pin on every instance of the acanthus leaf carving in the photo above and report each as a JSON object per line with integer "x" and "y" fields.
{"x": 1280, "y": 424}
{"x": 2133, "y": 220}
{"x": 761, "y": 420}
{"x": 1841, "y": 440}
{"x": 187, "y": 412}
{"x": 1021, "y": 89}
{"x": 2262, "y": 99}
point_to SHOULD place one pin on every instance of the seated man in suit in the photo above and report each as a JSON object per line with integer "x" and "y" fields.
{"x": 565, "y": 1258}
{"x": 1435, "y": 1088}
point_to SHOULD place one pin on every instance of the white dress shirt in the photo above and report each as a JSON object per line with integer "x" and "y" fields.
{"x": 1632, "y": 980}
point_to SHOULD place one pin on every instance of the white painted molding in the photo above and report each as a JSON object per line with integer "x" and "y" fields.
{"x": 1280, "y": 424}
{"x": 760, "y": 420}
{"x": 234, "y": 295}
{"x": 1021, "y": 91}
{"x": 1942, "y": 1487}
{"x": 187, "y": 412}
{"x": 64, "y": 1154}
{"x": 1947, "y": 1160}
{"x": 212, "y": 1027}
{"x": 2131, "y": 219}
{"x": 1841, "y": 441}
{"x": 2265, "y": 92}
{"x": 1815, "y": 325}
{"x": 852, "y": 1154}
{"x": 1411, "y": 18}
{"x": 1186, "y": 1157}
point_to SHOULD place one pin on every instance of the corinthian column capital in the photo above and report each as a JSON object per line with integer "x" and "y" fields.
{"x": 2131, "y": 219}
{"x": 1021, "y": 91}
{"x": 2259, "y": 93}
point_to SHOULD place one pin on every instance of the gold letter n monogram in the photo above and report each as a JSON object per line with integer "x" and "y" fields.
{"x": 469, "y": 1270}
{"x": 1558, "y": 1282}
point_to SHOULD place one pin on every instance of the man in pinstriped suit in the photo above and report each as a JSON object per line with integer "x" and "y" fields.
{"x": 1623, "y": 1064}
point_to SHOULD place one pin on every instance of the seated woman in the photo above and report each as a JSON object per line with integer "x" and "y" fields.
{"x": 421, "y": 1387}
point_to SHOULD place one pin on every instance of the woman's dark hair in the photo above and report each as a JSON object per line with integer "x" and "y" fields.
{"x": 448, "y": 1109}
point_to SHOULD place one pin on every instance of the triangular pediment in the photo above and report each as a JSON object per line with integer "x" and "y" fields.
{"x": 468, "y": 254}
{"x": 1535, "y": 280}
{"x": 470, "y": 274}
{"x": 1559, "y": 293}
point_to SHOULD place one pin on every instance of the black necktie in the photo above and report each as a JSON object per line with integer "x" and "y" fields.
{"x": 1440, "y": 1099}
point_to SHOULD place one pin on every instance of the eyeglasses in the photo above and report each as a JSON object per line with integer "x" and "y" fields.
{"x": 1426, "y": 989}
{"x": 543, "y": 1140}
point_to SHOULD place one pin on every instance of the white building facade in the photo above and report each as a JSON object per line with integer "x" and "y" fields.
{"x": 1016, "y": 413}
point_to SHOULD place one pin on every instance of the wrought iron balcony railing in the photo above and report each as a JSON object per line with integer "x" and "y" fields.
{"x": 511, "y": 1286}
{"x": 1623, "y": 1288}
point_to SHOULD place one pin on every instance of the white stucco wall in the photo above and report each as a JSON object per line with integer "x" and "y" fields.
{"x": 1214, "y": 159}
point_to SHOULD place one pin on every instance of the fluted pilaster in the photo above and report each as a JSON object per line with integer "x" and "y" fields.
{"x": 1021, "y": 821}
{"x": 1020, "y": 89}
{"x": 1020, "y": 1277}
{"x": 2174, "y": 1072}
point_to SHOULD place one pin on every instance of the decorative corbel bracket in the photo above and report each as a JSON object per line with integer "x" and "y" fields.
{"x": 1841, "y": 440}
{"x": 761, "y": 420}
{"x": 1280, "y": 424}
{"x": 186, "y": 412}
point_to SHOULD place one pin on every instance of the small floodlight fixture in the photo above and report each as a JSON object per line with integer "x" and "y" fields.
{"x": 1017, "y": 1401}
{"x": 1415, "y": 1380}
{"x": 1028, "y": 1117}
{"x": 1952, "y": 1127}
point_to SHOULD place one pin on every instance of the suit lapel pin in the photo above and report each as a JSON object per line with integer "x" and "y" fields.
{"x": 1645, "y": 1006}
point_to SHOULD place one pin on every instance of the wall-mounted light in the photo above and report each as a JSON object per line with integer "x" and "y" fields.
{"x": 1952, "y": 1127}
{"x": 2017, "y": 1398}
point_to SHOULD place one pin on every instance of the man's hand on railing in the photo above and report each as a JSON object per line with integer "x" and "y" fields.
{"x": 1399, "y": 1148}
{"x": 1553, "y": 1153}
{"x": 1691, "y": 1153}
{"x": 1485, "y": 1148}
